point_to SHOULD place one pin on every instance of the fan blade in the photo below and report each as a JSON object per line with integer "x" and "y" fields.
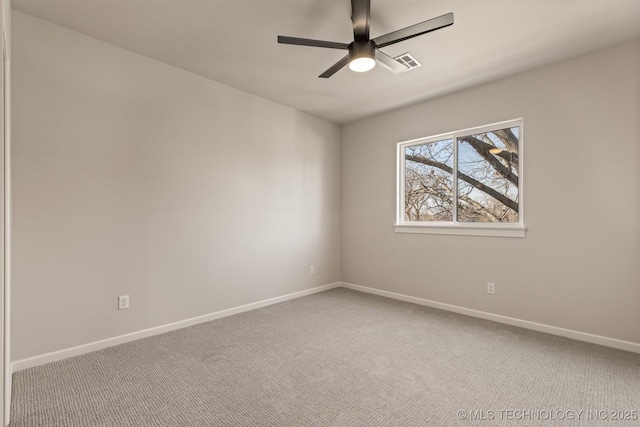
{"x": 360, "y": 16}
{"x": 335, "y": 67}
{"x": 389, "y": 62}
{"x": 310, "y": 42}
{"x": 414, "y": 30}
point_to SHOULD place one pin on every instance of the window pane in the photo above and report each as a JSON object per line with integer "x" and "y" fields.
{"x": 488, "y": 176}
{"x": 428, "y": 184}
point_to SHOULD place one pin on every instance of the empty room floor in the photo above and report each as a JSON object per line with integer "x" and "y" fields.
{"x": 336, "y": 358}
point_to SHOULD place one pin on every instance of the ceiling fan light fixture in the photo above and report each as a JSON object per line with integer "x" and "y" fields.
{"x": 362, "y": 56}
{"x": 360, "y": 65}
{"x": 363, "y": 51}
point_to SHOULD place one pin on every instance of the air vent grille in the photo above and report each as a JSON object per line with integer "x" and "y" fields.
{"x": 408, "y": 60}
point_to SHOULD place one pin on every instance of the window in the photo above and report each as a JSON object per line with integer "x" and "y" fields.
{"x": 466, "y": 182}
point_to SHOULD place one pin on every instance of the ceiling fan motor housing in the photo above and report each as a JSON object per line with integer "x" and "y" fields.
{"x": 362, "y": 49}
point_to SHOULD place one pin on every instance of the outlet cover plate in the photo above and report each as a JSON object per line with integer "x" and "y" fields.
{"x": 491, "y": 288}
{"x": 123, "y": 302}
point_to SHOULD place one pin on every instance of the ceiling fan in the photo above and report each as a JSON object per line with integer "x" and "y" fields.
{"x": 363, "y": 51}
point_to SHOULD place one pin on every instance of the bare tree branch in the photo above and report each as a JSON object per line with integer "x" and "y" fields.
{"x": 466, "y": 178}
{"x": 508, "y": 138}
{"x": 483, "y": 149}
{"x": 479, "y": 208}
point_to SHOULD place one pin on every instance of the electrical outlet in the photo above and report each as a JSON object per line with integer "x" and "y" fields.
{"x": 123, "y": 302}
{"x": 491, "y": 288}
{"x": 312, "y": 269}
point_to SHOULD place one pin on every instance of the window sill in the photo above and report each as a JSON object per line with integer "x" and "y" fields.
{"x": 515, "y": 230}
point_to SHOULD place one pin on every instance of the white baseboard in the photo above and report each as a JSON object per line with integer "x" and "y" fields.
{"x": 31, "y": 362}
{"x": 540, "y": 327}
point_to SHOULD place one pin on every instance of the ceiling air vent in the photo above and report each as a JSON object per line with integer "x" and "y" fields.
{"x": 408, "y": 60}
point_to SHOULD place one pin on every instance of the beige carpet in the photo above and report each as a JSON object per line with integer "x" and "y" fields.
{"x": 338, "y": 358}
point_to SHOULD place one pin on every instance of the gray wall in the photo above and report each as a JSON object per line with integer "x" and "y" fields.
{"x": 134, "y": 177}
{"x": 577, "y": 268}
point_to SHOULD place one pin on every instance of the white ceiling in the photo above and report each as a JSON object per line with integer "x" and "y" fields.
{"x": 234, "y": 42}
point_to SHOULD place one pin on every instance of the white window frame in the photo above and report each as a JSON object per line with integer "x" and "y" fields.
{"x": 454, "y": 227}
